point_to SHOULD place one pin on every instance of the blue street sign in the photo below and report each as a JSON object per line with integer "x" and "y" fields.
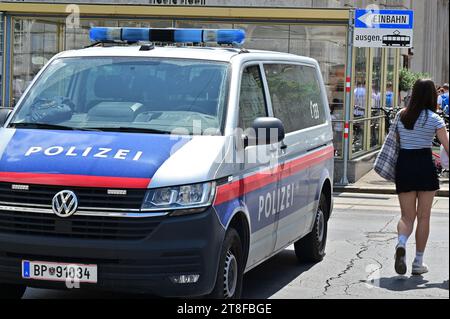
{"x": 383, "y": 28}
{"x": 384, "y": 19}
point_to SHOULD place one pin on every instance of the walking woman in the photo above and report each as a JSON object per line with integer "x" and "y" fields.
{"x": 416, "y": 177}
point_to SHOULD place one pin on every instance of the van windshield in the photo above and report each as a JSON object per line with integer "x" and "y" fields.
{"x": 179, "y": 96}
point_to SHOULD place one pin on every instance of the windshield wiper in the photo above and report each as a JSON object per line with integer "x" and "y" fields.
{"x": 132, "y": 130}
{"x": 48, "y": 126}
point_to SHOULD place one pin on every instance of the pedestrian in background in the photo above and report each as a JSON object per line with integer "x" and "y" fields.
{"x": 443, "y": 99}
{"x": 389, "y": 95}
{"x": 416, "y": 177}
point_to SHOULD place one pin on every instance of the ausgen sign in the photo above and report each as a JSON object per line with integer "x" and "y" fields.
{"x": 383, "y": 28}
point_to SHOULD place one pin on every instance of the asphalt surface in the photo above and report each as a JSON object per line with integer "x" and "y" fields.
{"x": 359, "y": 261}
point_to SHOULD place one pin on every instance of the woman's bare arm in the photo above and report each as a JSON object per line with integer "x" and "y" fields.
{"x": 443, "y": 138}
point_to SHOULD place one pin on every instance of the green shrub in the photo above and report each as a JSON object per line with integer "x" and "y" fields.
{"x": 408, "y": 78}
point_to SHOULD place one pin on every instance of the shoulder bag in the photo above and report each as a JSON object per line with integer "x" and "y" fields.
{"x": 387, "y": 158}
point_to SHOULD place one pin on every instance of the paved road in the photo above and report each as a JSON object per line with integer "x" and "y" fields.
{"x": 359, "y": 261}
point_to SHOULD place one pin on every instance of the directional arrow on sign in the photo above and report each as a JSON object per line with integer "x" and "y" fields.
{"x": 368, "y": 18}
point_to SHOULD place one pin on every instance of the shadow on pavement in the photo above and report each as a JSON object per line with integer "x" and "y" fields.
{"x": 403, "y": 283}
{"x": 273, "y": 275}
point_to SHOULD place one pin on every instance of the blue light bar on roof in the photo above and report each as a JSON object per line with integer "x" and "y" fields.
{"x": 220, "y": 36}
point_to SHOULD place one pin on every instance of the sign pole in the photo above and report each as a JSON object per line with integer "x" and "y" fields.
{"x": 348, "y": 97}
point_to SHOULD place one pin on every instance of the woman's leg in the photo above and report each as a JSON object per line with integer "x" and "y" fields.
{"x": 423, "y": 219}
{"x": 408, "y": 206}
{"x": 405, "y": 228}
{"x": 422, "y": 231}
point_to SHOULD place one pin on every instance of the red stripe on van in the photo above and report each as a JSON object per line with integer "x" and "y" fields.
{"x": 74, "y": 180}
{"x": 248, "y": 184}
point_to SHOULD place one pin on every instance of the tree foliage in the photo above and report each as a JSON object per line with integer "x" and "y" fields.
{"x": 408, "y": 78}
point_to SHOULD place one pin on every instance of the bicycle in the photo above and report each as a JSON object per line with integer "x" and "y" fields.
{"x": 389, "y": 116}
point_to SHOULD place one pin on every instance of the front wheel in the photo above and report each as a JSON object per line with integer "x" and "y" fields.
{"x": 311, "y": 248}
{"x": 10, "y": 291}
{"x": 230, "y": 272}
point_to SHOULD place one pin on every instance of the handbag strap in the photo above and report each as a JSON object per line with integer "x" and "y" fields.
{"x": 397, "y": 119}
{"x": 394, "y": 126}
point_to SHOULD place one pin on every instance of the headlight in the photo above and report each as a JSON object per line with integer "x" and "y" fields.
{"x": 193, "y": 197}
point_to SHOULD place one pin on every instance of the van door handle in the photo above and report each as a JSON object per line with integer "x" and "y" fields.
{"x": 283, "y": 146}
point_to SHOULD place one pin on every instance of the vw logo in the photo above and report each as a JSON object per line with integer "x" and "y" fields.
{"x": 65, "y": 203}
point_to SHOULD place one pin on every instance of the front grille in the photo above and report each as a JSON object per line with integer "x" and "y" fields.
{"x": 86, "y": 227}
{"x": 87, "y": 197}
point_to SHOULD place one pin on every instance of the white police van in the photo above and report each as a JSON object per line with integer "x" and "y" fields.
{"x": 169, "y": 170}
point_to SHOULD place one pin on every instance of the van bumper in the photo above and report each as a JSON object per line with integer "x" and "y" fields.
{"x": 179, "y": 245}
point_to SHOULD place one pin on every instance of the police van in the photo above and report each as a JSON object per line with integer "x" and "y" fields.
{"x": 168, "y": 169}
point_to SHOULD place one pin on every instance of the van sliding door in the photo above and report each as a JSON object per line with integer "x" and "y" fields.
{"x": 296, "y": 100}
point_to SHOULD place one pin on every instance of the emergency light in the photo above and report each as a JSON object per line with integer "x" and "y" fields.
{"x": 220, "y": 36}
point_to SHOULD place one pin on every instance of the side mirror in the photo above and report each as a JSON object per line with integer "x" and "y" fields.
{"x": 265, "y": 130}
{"x": 4, "y": 114}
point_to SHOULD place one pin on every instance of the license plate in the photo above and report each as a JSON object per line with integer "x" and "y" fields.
{"x": 43, "y": 270}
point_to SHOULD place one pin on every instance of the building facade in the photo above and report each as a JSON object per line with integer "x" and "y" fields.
{"x": 431, "y": 49}
{"x": 32, "y": 32}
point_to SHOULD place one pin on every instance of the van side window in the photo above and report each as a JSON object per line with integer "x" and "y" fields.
{"x": 296, "y": 95}
{"x": 252, "y": 103}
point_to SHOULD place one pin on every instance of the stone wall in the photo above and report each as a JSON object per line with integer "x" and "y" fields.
{"x": 431, "y": 39}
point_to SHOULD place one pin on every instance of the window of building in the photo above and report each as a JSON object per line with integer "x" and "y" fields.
{"x": 377, "y": 99}
{"x": 359, "y": 99}
{"x": 377, "y": 65}
{"x": 360, "y": 85}
{"x": 202, "y": 24}
{"x": 35, "y": 43}
{"x": 390, "y": 70}
{"x": 272, "y": 37}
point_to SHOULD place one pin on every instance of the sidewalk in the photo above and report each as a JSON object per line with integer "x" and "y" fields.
{"x": 372, "y": 183}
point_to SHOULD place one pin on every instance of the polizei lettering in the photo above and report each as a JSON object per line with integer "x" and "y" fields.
{"x": 72, "y": 151}
{"x": 276, "y": 201}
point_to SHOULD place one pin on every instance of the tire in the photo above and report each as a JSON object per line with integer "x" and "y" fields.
{"x": 231, "y": 269}
{"x": 9, "y": 291}
{"x": 311, "y": 248}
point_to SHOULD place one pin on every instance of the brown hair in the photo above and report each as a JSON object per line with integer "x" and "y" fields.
{"x": 424, "y": 97}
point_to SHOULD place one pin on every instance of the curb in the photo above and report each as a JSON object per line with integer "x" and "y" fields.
{"x": 377, "y": 190}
